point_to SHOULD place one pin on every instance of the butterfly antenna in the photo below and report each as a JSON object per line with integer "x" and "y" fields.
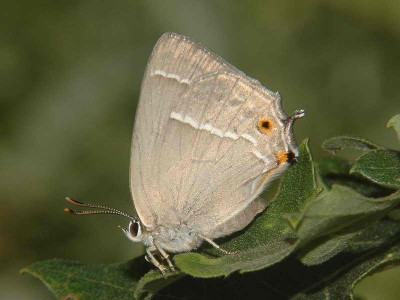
{"x": 104, "y": 209}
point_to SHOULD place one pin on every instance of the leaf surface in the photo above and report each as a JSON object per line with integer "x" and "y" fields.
{"x": 380, "y": 166}
{"x": 331, "y": 221}
{"x": 74, "y": 280}
{"x": 340, "y": 284}
{"x": 339, "y": 143}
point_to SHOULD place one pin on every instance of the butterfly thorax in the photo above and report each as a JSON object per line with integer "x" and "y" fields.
{"x": 173, "y": 239}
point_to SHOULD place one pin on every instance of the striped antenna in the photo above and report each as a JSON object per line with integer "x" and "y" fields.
{"x": 103, "y": 209}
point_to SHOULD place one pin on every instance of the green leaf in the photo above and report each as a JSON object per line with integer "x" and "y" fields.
{"x": 74, "y": 280}
{"x": 336, "y": 170}
{"x": 374, "y": 236}
{"x": 339, "y": 208}
{"x": 352, "y": 240}
{"x": 152, "y": 282}
{"x": 394, "y": 122}
{"x": 339, "y": 143}
{"x": 333, "y": 219}
{"x": 340, "y": 284}
{"x": 379, "y": 166}
{"x": 326, "y": 248}
{"x": 269, "y": 238}
{"x": 280, "y": 281}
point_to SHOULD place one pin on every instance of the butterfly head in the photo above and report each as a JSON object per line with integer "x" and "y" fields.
{"x": 134, "y": 231}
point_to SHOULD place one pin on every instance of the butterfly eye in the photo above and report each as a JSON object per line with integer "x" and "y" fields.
{"x": 134, "y": 229}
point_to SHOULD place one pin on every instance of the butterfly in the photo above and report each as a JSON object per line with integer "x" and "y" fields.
{"x": 207, "y": 140}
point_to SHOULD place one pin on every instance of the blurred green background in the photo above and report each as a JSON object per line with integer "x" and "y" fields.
{"x": 70, "y": 73}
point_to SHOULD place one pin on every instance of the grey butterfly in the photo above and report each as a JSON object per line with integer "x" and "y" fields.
{"x": 207, "y": 140}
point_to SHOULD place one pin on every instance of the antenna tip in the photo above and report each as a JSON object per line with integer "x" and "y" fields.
{"x": 70, "y": 200}
{"x": 68, "y": 210}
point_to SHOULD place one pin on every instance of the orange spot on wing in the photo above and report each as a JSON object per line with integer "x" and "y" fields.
{"x": 282, "y": 157}
{"x": 265, "y": 125}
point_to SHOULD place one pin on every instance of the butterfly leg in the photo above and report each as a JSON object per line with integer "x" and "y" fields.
{"x": 150, "y": 258}
{"x": 215, "y": 245}
{"x": 166, "y": 257}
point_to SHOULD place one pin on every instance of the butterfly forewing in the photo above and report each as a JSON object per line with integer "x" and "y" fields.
{"x": 174, "y": 62}
{"x": 198, "y": 154}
